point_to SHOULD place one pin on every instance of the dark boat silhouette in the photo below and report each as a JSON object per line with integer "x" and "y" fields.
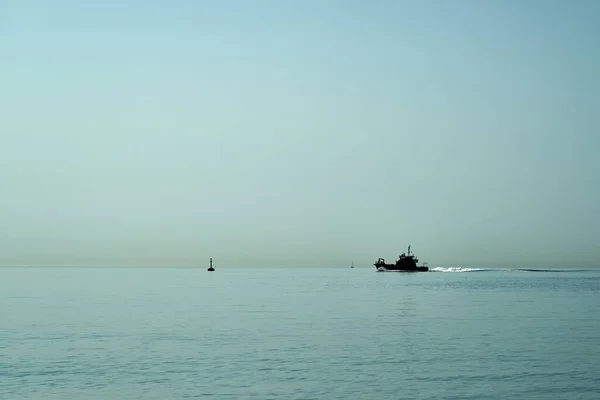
{"x": 211, "y": 267}
{"x": 405, "y": 263}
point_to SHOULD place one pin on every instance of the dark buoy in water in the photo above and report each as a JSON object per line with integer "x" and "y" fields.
{"x": 211, "y": 267}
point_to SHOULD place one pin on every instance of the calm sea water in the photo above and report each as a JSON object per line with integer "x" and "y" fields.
{"x": 69, "y": 333}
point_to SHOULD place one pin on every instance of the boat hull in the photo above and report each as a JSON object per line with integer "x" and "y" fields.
{"x": 394, "y": 268}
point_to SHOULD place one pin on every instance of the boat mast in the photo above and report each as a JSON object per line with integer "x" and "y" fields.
{"x": 408, "y": 250}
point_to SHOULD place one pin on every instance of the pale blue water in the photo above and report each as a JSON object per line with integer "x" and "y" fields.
{"x": 69, "y": 333}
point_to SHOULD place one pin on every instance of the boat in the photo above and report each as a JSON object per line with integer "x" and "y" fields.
{"x": 211, "y": 267}
{"x": 405, "y": 263}
{"x": 352, "y": 266}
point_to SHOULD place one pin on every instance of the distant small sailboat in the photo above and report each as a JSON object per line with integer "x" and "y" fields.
{"x": 352, "y": 266}
{"x": 211, "y": 267}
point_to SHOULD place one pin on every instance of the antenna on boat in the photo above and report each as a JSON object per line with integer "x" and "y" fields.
{"x": 408, "y": 250}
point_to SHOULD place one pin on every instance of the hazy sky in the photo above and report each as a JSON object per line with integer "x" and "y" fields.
{"x": 299, "y": 133}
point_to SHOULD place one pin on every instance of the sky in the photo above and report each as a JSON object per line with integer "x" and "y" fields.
{"x": 299, "y": 133}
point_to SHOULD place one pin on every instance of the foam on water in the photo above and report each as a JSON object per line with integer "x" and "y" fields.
{"x": 462, "y": 269}
{"x": 457, "y": 269}
{"x": 551, "y": 270}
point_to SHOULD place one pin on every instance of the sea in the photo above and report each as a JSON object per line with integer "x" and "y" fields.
{"x": 298, "y": 333}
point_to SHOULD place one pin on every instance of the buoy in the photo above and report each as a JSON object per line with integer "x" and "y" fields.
{"x": 211, "y": 267}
